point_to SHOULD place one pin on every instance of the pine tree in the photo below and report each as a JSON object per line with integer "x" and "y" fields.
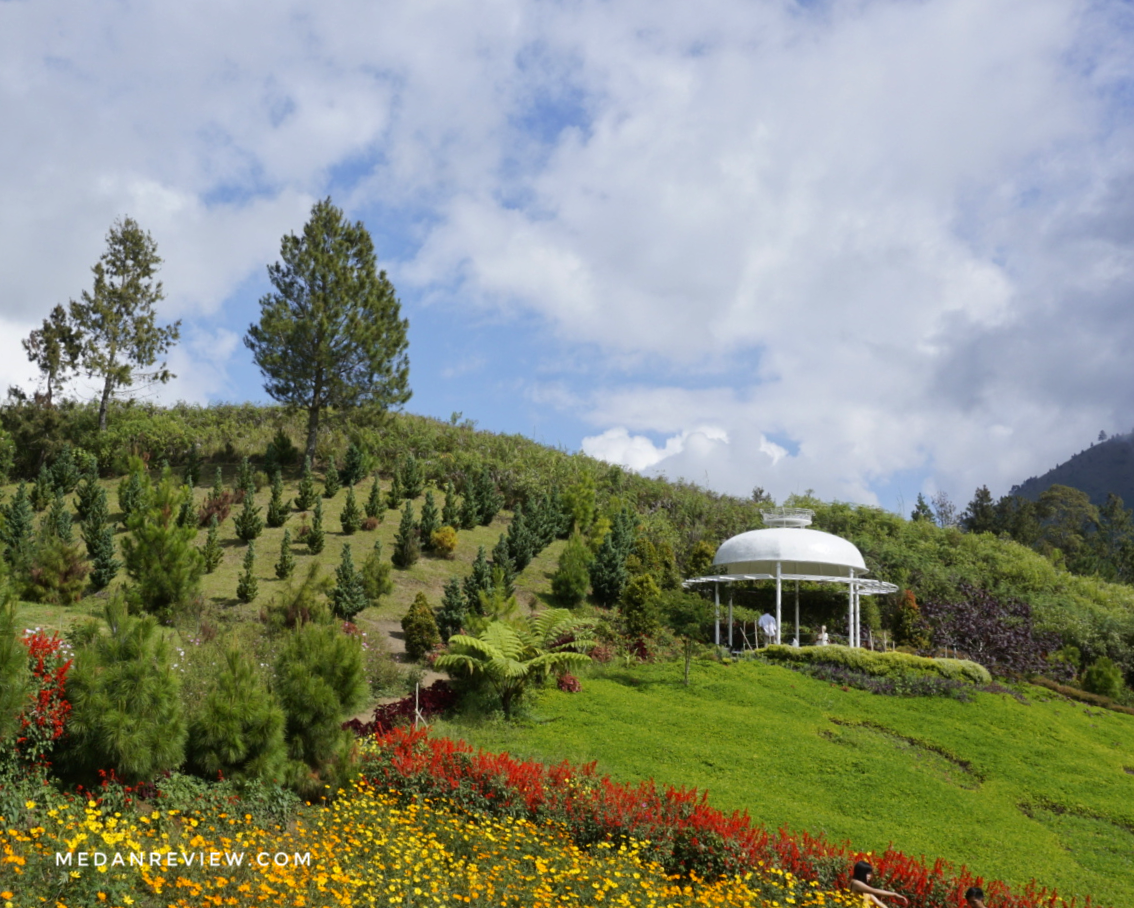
{"x": 470, "y": 514}
{"x": 126, "y": 706}
{"x": 430, "y": 521}
{"x": 58, "y": 520}
{"x": 376, "y": 575}
{"x": 489, "y": 501}
{"x": 375, "y": 506}
{"x": 922, "y": 510}
{"x": 278, "y": 511}
{"x": 451, "y": 511}
{"x": 608, "y": 572}
{"x": 247, "y": 586}
{"x": 420, "y": 628}
{"x": 348, "y": 597}
{"x": 212, "y": 553}
{"x": 316, "y": 538}
{"x": 17, "y": 530}
{"x": 521, "y": 542}
{"x": 571, "y": 580}
{"x": 165, "y": 567}
{"x": 354, "y": 467}
{"x": 191, "y": 471}
{"x": 502, "y": 561}
{"x": 479, "y": 581}
{"x": 43, "y": 491}
{"x": 245, "y": 480}
{"x": 351, "y": 516}
{"x": 131, "y": 494}
{"x": 87, "y": 490}
{"x": 407, "y": 545}
{"x": 286, "y": 565}
{"x": 237, "y": 730}
{"x": 58, "y": 573}
{"x": 412, "y": 482}
{"x": 248, "y": 523}
{"x": 451, "y": 615}
{"x": 98, "y": 534}
{"x": 641, "y": 606}
{"x": 331, "y": 481}
{"x": 65, "y": 471}
{"x": 394, "y": 497}
{"x": 305, "y": 498}
{"x": 218, "y": 484}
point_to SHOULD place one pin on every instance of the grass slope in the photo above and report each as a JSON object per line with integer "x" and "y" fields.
{"x": 1015, "y": 791}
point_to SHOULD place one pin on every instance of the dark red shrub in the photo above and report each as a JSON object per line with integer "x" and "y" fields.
{"x": 569, "y": 683}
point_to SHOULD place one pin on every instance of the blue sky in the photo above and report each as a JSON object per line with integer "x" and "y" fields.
{"x": 872, "y": 248}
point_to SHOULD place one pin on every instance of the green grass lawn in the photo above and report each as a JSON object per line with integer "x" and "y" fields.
{"x": 1015, "y": 791}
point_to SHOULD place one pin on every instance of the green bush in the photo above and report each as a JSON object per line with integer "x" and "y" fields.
{"x": 126, "y": 709}
{"x": 247, "y": 586}
{"x": 58, "y": 573}
{"x": 570, "y": 582}
{"x": 420, "y": 628}
{"x": 376, "y": 575}
{"x": 320, "y": 681}
{"x": 1104, "y": 678}
{"x": 888, "y": 665}
{"x": 444, "y": 541}
{"x": 237, "y": 731}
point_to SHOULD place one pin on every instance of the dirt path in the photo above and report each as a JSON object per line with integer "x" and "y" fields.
{"x": 390, "y": 630}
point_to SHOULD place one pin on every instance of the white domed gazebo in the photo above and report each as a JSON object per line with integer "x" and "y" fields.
{"x": 788, "y": 550}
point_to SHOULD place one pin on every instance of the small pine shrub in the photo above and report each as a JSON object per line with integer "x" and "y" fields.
{"x": 478, "y": 581}
{"x": 58, "y": 573}
{"x": 278, "y": 511}
{"x": 306, "y": 496}
{"x": 286, "y": 565}
{"x": 66, "y": 471}
{"x": 451, "y": 615}
{"x": 395, "y": 497}
{"x": 570, "y": 582}
{"x": 212, "y": 554}
{"x": 247, "y": 586}
{"x": 443, "y": 542}
{"x": 316, "y": 538}
{"x": 430, "y": 521}
{"x": 131, "y": 494}
{"x": 450, "y": 511}
{"x": 191, "y": 471}
{"x": 249, "y": 524}
{"x": 348, "y": 597}
{"x": 407, "y": 547}
{"x": 351, "y": 516}
{"x": 237, "y": 730}
{"x": 58, "y": 520}
{"x": 420, "y": 629}
{"x": 331, "y": 481}
{"x": 17, "y": 529}
{"x": 281, "y": 452}
{"x": 245, "y": 480}
{"x": 43, "y": 490}
{"x": 375, "y": 574}
{"x": 641, "y": 606}
{"x": 411, "y": 479}
{"x": 375, "y": 505}
{"x": 101, "y": 551}
{"x": 354, "y": 466}
{"x": 86, "y": 493}
{"x": 126, "y": 707}
{"x": 502, "y": 561}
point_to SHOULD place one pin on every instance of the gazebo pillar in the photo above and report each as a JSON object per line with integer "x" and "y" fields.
{"x": 850, "y": 608}
{"x": 779, "y": 594}
{"x": 797, "y": 640}
{"x": 730, "y": 618}
{"x": 717, "y": 602}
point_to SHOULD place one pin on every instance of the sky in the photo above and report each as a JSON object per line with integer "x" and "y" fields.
{"x": 868, "y": 248}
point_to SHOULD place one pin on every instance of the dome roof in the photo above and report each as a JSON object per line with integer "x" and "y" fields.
{"x": 798, "y": 551}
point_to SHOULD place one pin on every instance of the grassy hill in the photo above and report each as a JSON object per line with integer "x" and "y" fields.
{"x": 1015, "y": 790}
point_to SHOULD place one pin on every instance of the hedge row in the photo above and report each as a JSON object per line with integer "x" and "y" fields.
{"x": 885, "y": 665}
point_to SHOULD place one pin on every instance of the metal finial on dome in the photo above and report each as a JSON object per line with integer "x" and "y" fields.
{"x": 787, "y": 517}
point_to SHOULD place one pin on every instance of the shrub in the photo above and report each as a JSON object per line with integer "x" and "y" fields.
{"x": 319, "y": 680}
{"x": 444, "y": 541}
{"x": 237, "y": 730}
{"x": 278, "y": 509}
{"x": 331, "y": 481}
{"x": 165, "y": 567}
{"x": 247, "y": 586}
{"x": 348, "y": 597}
{"x": 212, "y": 554}
{"x": 451, "y": 615}
{"x": 375, "y": 507}
{"x": 407, "y": 547}
{"x": 376, "y": 575}
{"x": 430, "y": 520}
{"x": 248, "y": 523}
{"x": 571, "y": 580}
{"x": 299, "y": 603}
{"x": 641, "y": 606}
{"x": 351, "y": 516}
{"x": 885, "y": 665}
{"x": 315, "y": 536}
{"x": 17, "y": 530}
{"x": 306, "y": 497}
{"x": 420, "y": 628}
{"x": 354, "y": 467}
{"x": 281, "y": 452}
{"x": 1104, "y": 678}
{"x": 608, "y": 572}
{"x": 410, "y": 477}
{"x": 126, "y": 709}
{"x": 58, "y": 573}
{"x": 286, "y": 565}
{"x": 98, "y": 534}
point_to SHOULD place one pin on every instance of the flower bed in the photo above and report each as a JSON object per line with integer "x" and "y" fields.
{"x": 677, "y": 828}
